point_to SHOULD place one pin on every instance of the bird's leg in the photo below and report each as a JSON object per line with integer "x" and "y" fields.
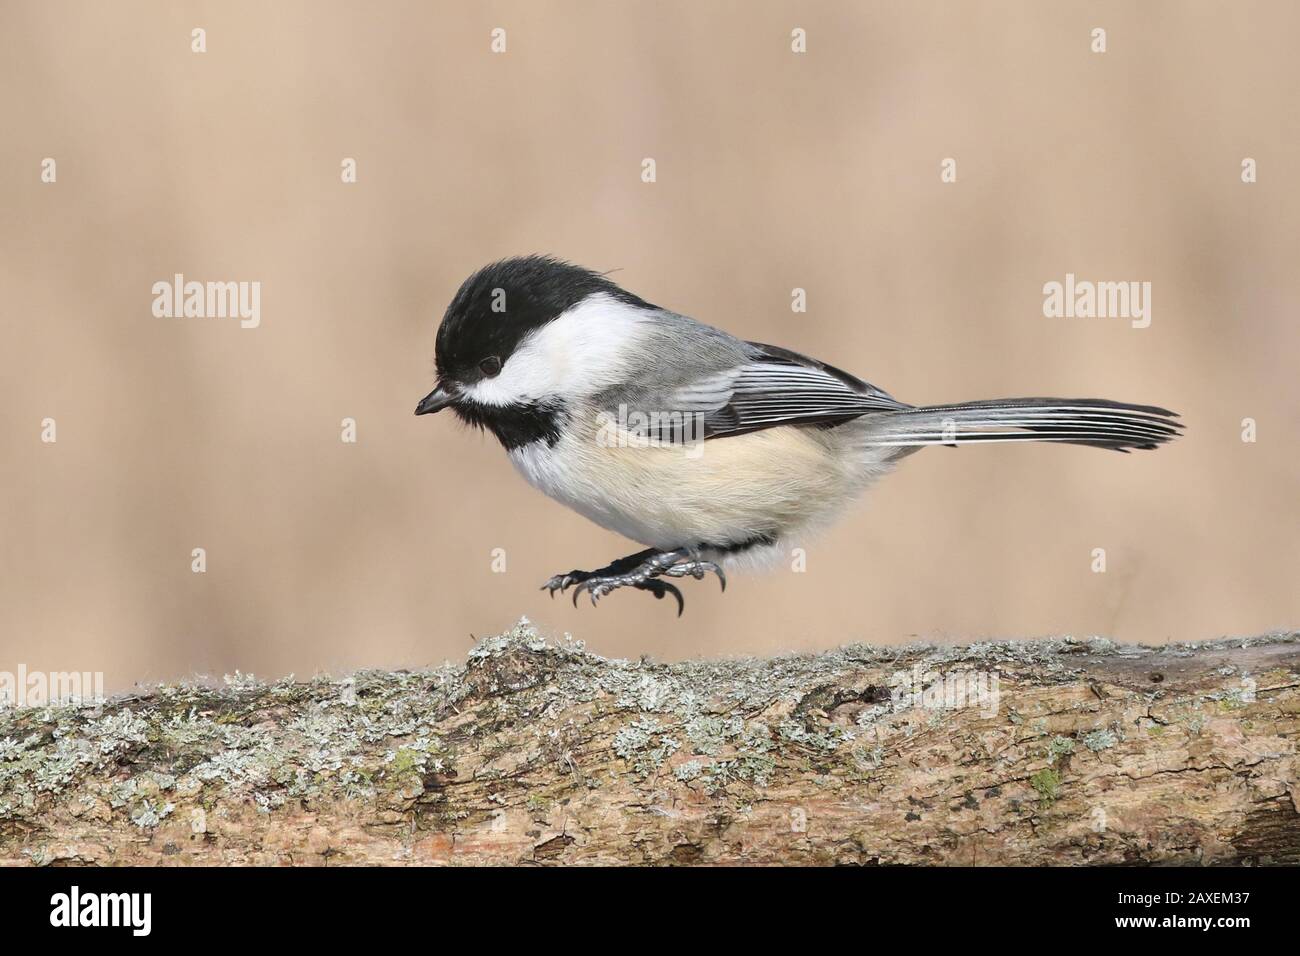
{"x": 640, "y": 571}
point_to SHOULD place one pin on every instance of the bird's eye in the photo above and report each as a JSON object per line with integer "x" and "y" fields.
{"x": 490, "y": 366}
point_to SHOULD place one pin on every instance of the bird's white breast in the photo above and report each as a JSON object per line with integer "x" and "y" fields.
{"x": 727, "y": 491}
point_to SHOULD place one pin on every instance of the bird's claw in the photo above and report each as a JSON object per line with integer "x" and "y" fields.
{"x": 562, "y": 582}
{"x": 598, "y": 587}
{"x": 642, "y": 572}
{"x": 697, "y": 570}
{"x": 660, "y": 588}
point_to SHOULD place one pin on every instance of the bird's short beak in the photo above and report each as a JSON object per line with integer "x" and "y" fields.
{"x": 435, "y": 401}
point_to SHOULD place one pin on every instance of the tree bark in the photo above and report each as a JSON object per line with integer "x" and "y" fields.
{"x": 1042, "y": 752}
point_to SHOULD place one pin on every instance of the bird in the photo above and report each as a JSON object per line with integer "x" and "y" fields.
{"x": 711, "y": 451}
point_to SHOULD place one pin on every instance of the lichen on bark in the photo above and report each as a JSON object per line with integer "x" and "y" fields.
{"x": 532, "y": 751}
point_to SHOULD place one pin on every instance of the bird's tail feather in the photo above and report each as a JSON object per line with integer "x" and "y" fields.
{"x": 1075, "y": 421}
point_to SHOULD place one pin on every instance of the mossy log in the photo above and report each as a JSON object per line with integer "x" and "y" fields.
{"x": 1038, "y": 752}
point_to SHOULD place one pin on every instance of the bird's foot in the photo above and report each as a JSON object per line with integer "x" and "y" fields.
{"x": 562, "y": 582}
{"x": 640, "y": 571}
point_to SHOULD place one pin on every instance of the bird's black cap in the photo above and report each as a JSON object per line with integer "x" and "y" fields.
{"x": 501, "y": 303}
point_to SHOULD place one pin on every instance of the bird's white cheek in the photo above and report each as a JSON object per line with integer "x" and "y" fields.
{"x": 526, "y": 377}
{"x": 589, "y": 347}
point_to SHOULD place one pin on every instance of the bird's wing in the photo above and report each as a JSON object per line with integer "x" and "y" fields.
{"x": 775, "y": 387}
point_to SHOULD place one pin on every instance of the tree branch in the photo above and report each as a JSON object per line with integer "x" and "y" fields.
{"x": 1043, "y": 752}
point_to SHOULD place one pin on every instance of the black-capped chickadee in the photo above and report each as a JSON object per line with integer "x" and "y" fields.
{"x": 711, "y": 450}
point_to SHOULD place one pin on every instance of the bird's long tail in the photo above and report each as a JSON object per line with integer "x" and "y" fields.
{"x": 1075, "y": 421}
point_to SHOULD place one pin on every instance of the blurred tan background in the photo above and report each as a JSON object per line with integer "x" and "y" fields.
{"x": 775, "y": 171}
